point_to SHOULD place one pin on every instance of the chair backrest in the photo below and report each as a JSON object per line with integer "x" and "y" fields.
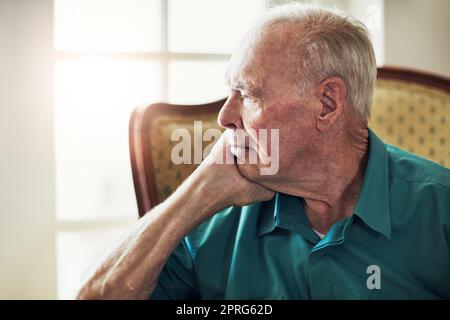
{"x": 155, "y": 176}
{"x": 410, "y": 109}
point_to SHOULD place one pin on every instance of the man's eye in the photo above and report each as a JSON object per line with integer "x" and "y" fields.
{"x": 247, "y": 97}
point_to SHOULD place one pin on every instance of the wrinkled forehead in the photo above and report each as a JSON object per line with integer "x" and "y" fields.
{"x": 268, "y": 56}
{"x": 246, "y": 67}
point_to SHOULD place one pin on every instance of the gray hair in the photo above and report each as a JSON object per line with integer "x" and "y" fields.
{"x": 332, "y": 44}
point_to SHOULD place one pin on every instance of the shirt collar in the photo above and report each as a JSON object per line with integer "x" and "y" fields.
{"x": 286, "y": 212}
{"x": 372, "y": 206}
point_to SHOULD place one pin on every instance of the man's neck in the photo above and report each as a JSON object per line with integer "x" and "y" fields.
{"x": 330, "y": 184}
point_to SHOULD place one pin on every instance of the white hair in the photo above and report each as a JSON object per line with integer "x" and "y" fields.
{"x": 331, "y": 44}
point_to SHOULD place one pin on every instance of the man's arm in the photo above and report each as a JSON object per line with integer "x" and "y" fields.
{"x": 131, "y": 271}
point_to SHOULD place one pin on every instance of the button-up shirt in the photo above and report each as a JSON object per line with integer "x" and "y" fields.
{"x": 395, "y": 244}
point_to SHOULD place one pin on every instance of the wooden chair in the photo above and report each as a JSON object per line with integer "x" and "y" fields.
{"x": 410, "y": 109}
{"x": 155, "y": 176}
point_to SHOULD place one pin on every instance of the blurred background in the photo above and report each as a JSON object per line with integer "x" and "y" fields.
{"x": 71, "y": 72}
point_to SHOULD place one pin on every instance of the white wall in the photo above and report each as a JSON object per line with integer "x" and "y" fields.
{"x": 27, "y": 206}
{"x": 417, "y": 34}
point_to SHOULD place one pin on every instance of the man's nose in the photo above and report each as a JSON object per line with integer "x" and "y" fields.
{"x": 230, "y": 114}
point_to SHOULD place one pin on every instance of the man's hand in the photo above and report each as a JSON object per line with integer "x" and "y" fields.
{"x": 222, "y": 178}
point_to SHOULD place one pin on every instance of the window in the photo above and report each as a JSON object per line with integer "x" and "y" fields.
{"x": 110, "y": 56}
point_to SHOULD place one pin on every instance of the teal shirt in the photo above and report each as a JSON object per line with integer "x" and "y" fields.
{"x": 396, "y": 245}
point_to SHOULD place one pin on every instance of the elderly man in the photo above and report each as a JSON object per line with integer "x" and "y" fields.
{"x": 344, "y": 217}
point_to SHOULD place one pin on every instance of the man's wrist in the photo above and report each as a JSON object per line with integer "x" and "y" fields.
{"x": 205, "y": 196}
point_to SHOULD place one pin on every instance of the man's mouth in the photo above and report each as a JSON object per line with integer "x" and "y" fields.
{"x": 239, "y": 151}
{"x": 238, "y": 147}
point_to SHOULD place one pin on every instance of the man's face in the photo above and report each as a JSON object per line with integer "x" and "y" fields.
{"x": 264, "y": 95}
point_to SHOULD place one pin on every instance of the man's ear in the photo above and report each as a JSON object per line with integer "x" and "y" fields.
{"x": 333, "y": 93}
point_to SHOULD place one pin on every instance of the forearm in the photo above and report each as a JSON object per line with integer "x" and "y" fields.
{"x": 132, "y": 270}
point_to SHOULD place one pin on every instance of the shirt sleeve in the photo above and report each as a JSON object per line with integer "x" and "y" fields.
{"x": 177, "y": 280}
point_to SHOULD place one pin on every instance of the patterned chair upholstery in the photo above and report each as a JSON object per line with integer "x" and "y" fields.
{"x": 168, "y": 175}
{"x": 410, "y": 110}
